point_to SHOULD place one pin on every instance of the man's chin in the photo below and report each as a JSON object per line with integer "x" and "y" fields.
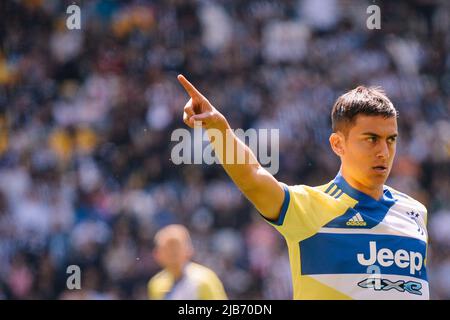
{"x": 379, "y": 178}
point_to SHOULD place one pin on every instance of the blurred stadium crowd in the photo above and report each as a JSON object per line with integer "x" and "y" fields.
{"x": 87, "y": 116}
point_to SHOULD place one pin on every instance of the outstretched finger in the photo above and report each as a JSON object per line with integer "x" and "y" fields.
{"x": 190, "y": 89}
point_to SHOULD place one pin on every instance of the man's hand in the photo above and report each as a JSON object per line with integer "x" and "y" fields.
{"x": 198, "y": 108}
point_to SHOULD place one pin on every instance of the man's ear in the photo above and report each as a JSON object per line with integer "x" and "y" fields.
{"x": 156, "y": 255}
{"x": 190, "y": 252}
{"x": 337, "y": 140}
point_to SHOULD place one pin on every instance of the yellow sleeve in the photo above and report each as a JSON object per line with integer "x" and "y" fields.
{"x": 158, "y": 286}
{"x": 305, "y": 210}
{"x": 211, "y": 287}
{"x": 150, "y": 291}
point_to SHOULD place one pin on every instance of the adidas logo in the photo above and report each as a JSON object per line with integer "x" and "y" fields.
{"x": 356, "y": 221}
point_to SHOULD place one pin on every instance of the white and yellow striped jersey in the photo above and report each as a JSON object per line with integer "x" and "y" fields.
{"x": 196, "y": 283}
{"x": 343, "y": 244}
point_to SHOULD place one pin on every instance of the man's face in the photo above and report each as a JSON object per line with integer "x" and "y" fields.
{"x": 368, "y": 151}
{"x": 172, "y": 253}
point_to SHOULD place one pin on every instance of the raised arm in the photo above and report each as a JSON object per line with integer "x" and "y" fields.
{"x": 255, "y": 182}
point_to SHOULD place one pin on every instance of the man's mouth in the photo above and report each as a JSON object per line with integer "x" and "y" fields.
{"x": 380, "y": 169}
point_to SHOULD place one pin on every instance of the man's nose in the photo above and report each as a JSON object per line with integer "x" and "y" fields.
{"x": 383, "y": 151}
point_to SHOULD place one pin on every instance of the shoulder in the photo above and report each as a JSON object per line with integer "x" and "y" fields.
{"x": 203, "y": 276}
{"x": 325, "y": 193}
{"x": 324, "y": 199}
{"x": 158, "y": 285}
{"x": 200, "y": 272}
{"x": 306, "y": 190}
{"x": 209, "y": 285}
{"x": 157, "y": 278}
{"x": 410, "y": 204}
{"x": 406, "y": 199}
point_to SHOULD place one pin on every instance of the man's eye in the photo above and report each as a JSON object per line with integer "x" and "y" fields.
{"x": 392, "y": 139}
{"x": 371, "y": 139}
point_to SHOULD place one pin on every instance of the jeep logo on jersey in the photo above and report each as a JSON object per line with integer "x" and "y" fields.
{"x": 385, "y": 258}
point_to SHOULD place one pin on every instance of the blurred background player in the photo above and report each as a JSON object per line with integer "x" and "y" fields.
{"x": 181, "y": 278}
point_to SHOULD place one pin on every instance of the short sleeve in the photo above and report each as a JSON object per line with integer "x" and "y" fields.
{"x": 150, "y": 291}
{"x": 304, "y": 211}
{"x": 212, "y": 288}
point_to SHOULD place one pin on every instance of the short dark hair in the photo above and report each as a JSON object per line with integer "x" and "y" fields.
{"x": 370, "y": 101}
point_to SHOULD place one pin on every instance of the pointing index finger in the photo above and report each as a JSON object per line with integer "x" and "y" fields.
{"x": 190, "y": 89}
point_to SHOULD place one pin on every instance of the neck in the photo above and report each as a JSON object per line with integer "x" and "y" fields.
{"x": 374, "y": 192}
{"x": 176, "y": 271}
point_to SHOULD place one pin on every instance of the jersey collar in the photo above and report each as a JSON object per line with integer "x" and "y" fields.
{"x": 387, "y": 198}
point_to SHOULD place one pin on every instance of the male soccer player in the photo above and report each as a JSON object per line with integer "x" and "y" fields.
{"x": 354, "y": 237}
{"x": 181, "y": 279}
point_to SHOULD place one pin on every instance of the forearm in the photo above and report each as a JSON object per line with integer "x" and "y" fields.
{"x": 237, "y": 159}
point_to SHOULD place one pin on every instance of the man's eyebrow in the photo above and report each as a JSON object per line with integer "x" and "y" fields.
{"x": 372, "y": 134}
